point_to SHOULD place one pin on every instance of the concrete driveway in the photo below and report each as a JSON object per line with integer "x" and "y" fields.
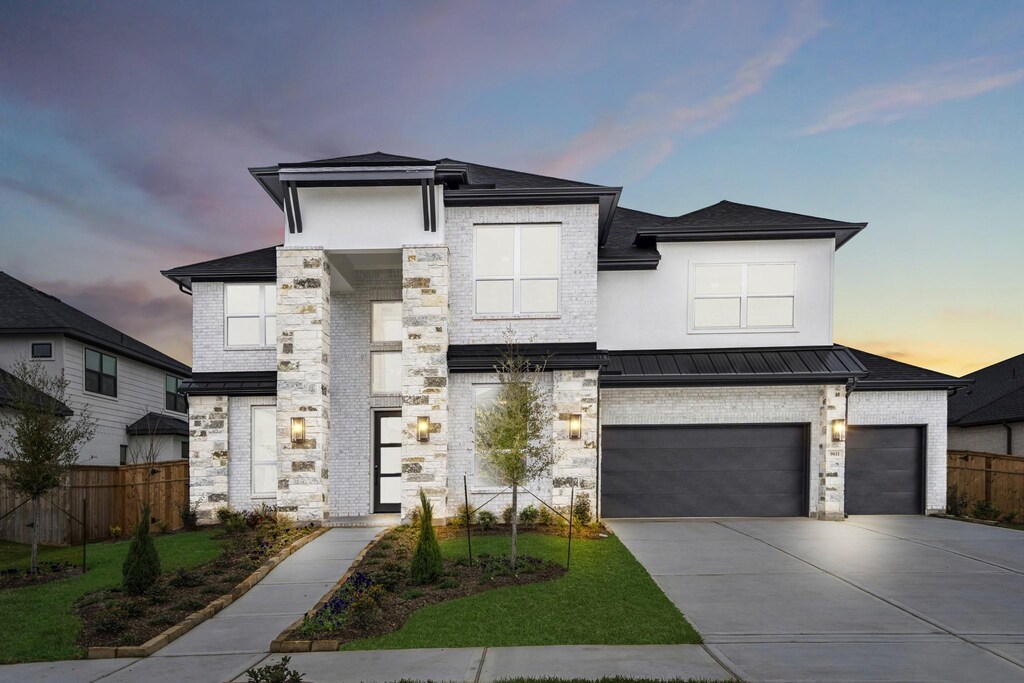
{"x": 868, "y": 599}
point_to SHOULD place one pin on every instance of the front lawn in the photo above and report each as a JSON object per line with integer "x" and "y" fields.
{"x": 39, "y": 621}
{"x": 606, "y": 598}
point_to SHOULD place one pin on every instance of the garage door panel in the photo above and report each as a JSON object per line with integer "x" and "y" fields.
{"x": 704, "y": 471}
{"x": 884, "y": 470}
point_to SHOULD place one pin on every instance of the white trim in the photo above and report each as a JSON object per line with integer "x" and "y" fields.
{"x": 517, "y": 278}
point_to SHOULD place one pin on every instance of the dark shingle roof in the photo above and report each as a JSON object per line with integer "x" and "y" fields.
{"x": 619, "y": 246}
{"x": 888, "y": 373}
{"x": 371, "y": 158}
{"x": 156, "y": 424}
{"x": 11, "y": 389}
{"x": 259, "y": 263}
{"x": 990, "y": 398}
{"x": 26, "y": 309}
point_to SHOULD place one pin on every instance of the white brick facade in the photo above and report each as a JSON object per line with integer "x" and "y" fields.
{"x": 208, "y": 454}
{"x": 988, "y": 439}
{"x": 910, "y": 408}
{"x": 209, "y": 350}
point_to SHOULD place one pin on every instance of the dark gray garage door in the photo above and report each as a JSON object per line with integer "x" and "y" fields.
{"x": 884, "y": 470}
{"x": 704, "y": 471}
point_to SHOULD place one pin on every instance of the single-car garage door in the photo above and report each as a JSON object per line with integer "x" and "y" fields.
{"x": 884, "y": 470}
{"x": 704, "y": 471}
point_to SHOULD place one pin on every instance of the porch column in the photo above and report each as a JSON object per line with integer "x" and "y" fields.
{"x": 831, "y": 455}
{"x": 426, "y": 278}
{"x": 303, "y": 381}
{"x": 575, "y": 393}
{"x": 208, "y": 455}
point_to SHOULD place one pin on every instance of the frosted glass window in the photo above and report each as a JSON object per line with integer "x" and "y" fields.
{"x": 390, "y": 490}
{"x": 249, "y": 315}
{"x": 767, "y": 311}
{"x": 264, "y": 450}
{"x": 539, "y": 296}
{"x": 495, "y": 296}
{"x": 243, "y": 331}
{"x": 774, "y": 279}
{"x": 391, "y": 430}
{"x": 270, "y": 330}
{"x": 270, "y": 299}
{"x": 716, "y": 312}
{"x": 539, "y": 250}
{"x": 242, "y": 299}
{"x": 718, "y": 279}
{"x": 390, "y": 459}
{"x": 484, "y": 396}
{"x": 387, "y": 321}
{"x": 386, "y": 372}
{"x": 495, "y": 251}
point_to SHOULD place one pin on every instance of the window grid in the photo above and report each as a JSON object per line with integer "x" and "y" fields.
{"x": 263, "y": 316}
{"x": 743, "y": 297}
{"x": 100, "y": 373}
{"x": 517, "y": 278}
{"x": 173, "y": 400}
{"x": 264, "y": 455}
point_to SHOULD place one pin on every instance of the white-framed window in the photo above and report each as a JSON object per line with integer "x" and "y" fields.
{"x": 264, "y": 450}
{"x": 741, "y": 296}
{"x": 484, "y": 396}
{"x": 250, "y": 314}
{"x": 516, "y": 269}
{"x": 386, "y": 347}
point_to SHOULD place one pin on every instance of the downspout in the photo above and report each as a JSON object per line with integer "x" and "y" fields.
{"x": 1009, "y": 438}
{"x": 184, "y": 290}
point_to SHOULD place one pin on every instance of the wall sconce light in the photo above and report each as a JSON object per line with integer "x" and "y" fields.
{"x": 298, "y": 429}
{"x": 575, "y": 426}
{"x": 838, "y": 430}
{"x": 423, "y": 428}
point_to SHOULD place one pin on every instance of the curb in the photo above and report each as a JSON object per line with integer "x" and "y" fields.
{"x": 196, "y": 618}
{"x": 281, "y": 644}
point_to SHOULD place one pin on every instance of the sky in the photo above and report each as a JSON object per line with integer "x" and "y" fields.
{"x": 126, "y": 129}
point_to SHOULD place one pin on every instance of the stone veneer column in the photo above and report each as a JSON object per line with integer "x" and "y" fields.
{"x": 208, "y": 455}
{"x": 831, "y": 455}
{"x": 574, "y": 391}
{"x": 303, "y": 381}
{"x": 426, "y": 277}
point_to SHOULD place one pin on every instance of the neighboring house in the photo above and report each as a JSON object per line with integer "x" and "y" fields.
{"x": 988, "y": 416}
{"x": 690, "y": 359}
{"x": 130, "y": 388}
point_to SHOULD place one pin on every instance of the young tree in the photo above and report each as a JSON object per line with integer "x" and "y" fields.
{"x": 42, "y": 439}
{"x": 513, "y": 435}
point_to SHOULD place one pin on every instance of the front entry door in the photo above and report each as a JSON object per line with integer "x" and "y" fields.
{"x": 387, "y": 461}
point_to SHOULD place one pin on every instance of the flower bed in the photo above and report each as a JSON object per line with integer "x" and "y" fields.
{"x": 48, "y": 571}
{"x": 379, "y": 595}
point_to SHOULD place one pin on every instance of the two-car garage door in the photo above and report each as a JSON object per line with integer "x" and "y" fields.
{"x": 752, "y": 470}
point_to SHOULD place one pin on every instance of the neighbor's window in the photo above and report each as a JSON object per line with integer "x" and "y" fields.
{"x": 484, "y": 396}
{"x": 42, "y": 350}
{"x": 385, "y": 342}
{"x": 100, "y": 373}
{"x": 250, "y": 315}
{"x": 123, "y": 457}
{"x": 264, "y": 450}
{"x": 516, "y": 269}
{"x": 172, "y": 399}
{"x": 184, "y": 450}
{"x": 742, "y": 296}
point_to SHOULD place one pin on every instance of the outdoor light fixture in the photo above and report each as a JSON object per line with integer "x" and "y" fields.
{"x": 575, "y": 425}
{"x": 423, "y": 428}
{"x": 839, "y": 430}
{"x": 298, "y": 429}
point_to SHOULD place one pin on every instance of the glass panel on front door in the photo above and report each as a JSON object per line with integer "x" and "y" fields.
{"x": 387, "y": 462}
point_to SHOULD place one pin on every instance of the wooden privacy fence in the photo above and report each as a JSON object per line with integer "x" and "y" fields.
{"x": 112, "y": 499}
{"x": 999, "y": 479}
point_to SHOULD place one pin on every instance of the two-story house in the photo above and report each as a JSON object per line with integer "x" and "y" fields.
{"x": 130, "y": 388}
{"x": 690, "y": 359}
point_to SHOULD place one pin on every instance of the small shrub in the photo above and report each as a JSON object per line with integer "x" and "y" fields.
{"x": 163, "y": 620}
{"x": 189, "y": 605}
{"x": 984, "y": 509}
{"x": 447, "y": 583}
{"x": 132, "y": 609}
{"x": 224, "y": 513}
{"x": 189, "y": 514}
{"x": 212, "y": 590}
{"x": 263, "y": 514}
{"x": 274, "y": 673}
{"x": 581, "y": 513}
{"x": 486, "y": 520}
{"x": 956, "y": 501}
{"x": 163, "y": 527}
{"x": 414, "y": 517}
{"x": 141, "y": 567}
{"x": 1009, "y": 518}
{"x": 186, "y": 578}
{"x": 158, "y": 595}
{"x": 459, "y": 519}
{"x": 411, "y": 594}
{"x": 506, "y": 514}
{"x": 426, "y": 559}
{"x": 111, "y": 621}
{"x": 389, "y": 576}
{"x": 365, "y": 606}
{"x": 528, "y": 515}
{"x": 545, "y": 516}
{"x": 115, "y": 532}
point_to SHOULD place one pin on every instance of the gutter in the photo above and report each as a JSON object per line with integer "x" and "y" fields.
{"x": 1009, "y": 438}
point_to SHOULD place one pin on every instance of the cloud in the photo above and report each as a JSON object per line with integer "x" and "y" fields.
{"x": 643, "y": 119}
{"x": 895, "y": 101}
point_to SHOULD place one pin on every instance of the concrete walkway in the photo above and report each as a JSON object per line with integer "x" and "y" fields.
{"x": 870, "y": 599}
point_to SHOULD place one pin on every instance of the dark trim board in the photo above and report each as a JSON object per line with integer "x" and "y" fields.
{"x": 231, "y": 384}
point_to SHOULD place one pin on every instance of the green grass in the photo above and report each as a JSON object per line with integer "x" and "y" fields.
{"x": 40, "y": 621}
{"x": 606, "y": 598}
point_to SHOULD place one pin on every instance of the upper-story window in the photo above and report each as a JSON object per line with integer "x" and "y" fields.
{"x": 41, "y": 350}
{"x": 386, "y": 347}
{"x": 100, "y": 373}
{"x": 172, "y": 399}
{"x": 731, "y": 296}
{"x": 516, "y": 269}
{"x": 250, "y": 315}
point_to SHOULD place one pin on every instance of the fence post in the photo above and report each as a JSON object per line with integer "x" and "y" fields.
{"x": 568, "y": 554}
{"x": 469, "y": 537}
{"x": 85, "y": 528}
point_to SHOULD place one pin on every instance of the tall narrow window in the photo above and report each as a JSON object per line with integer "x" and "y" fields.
{"x": 517, "y": 269}
{"x": 743, "y": 296}
{"x": 100, "y": 373}
{"x": 250, "y": 312}
{"x": 386, "y": 347}
{"x": 264, "y": 450}
{"x": 484, "y": 396}
{"x": 173, "y": 399}
{"x": 184, "y": 450}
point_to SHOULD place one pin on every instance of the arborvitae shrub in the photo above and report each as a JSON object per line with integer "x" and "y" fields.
{"x": 426, "y": 559}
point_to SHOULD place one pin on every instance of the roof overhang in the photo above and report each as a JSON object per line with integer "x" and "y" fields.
{"x": 184, "y": 279}
{"x": 563, "y": 356}
{"x": 910, "y": 385}
{"x": 231, "y": 384}
{"x": 841, "y": 233}
{"x": 629, "y": 263}
{"x": 155, "y": 424}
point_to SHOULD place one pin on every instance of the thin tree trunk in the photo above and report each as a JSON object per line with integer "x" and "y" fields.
{"x": 515, "y": 524}
{"x": 34, "y": 562}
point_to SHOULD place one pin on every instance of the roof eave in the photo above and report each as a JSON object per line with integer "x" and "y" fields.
{"x": 803, "y": 379}
{"x": 269, "y": 180}
{"x": 630, "y": 263}
{"x": 841, "y": 233}
{"x": 175, "y": 367}
{"x": 909, "y": 385}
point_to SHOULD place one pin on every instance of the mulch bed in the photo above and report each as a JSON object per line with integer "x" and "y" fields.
{"x": 111, "y": 618}
{"x": 48, "y": 571}
{"x": 386, "y": 566}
